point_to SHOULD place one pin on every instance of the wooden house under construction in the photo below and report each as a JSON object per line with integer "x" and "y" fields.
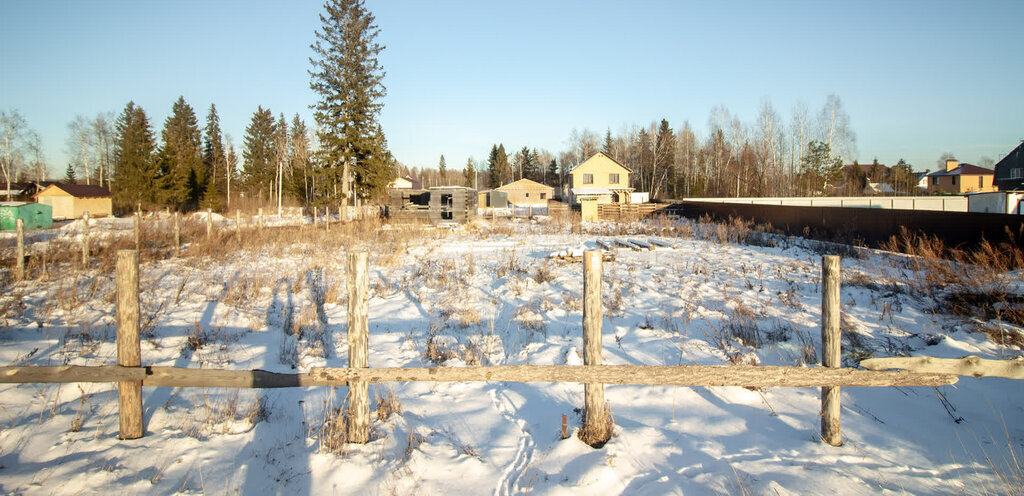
{"x": 455, "y": 204}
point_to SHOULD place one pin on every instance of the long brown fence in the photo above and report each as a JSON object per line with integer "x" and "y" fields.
{"x": 131, "y": 375}
{"x": 870, "y": 226}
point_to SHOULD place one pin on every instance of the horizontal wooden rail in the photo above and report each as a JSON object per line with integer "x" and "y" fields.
{"x": 678, "y": 375}
{"x": 969, "y": 366}
{"x": 155, "y": 376}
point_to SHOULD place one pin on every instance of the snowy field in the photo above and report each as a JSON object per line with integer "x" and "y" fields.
{"x": 490, "y": 295}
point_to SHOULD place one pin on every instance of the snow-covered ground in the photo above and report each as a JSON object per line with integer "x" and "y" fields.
{"x": 490, "y": 295}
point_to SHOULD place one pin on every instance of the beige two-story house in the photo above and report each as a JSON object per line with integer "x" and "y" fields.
{"x": 598, "y": 180}
{"x": 961, "y": 178}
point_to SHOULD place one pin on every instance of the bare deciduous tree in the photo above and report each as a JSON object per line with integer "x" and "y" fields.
{"x": 12, "y": 133}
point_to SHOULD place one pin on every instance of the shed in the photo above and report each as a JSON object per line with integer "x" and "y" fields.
{"x": 33, "y": 215}
{"x": 527, "y": 192}
{"x": 69, "y": 201}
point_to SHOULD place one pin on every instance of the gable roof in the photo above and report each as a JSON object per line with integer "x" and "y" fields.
{"x": 964, "y": 169}
{"x": 1014, "y": 158}
{"x": 523, "y": 184}
{"x": 605, "y": 155}
{"x": 81, "y": 190}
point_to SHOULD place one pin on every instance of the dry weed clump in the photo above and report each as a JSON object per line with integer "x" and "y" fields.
{"x": 596, "y": 435}
{"x": 387, "y": 402}
{"x": 225, "y": 414}
{"x": 981, "y": 283}
{"x": 332, "y": 432}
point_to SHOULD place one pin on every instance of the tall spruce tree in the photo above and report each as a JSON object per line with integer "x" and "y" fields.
{"x": 442, "y": 171}
{"x": 214, "y": 161}
{"x": 469, "y": 174}
{"x": 493, "y": 181}
{"x": 135, "y": 169}
{"x": 502, "y": 166}
{"x": 180, "y": 157}
{"x": 551, "y": 178}
{"x": 258, "y": 153}
{"x": 349, "y": 79}
{"x": 665, "y": 159}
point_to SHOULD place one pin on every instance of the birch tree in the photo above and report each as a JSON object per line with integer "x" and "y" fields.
{"x": 12, "y": 132}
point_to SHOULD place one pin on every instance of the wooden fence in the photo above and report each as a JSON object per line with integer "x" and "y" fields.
{"x": 131, "y": 375}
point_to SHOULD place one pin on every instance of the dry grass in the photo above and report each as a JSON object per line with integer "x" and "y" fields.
{"x": 387, "y": 402}
{"x": 980, "y": 283}
{"x": 598, "y": 434}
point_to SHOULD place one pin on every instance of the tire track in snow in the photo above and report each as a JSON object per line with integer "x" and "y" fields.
{"x": 523, "y": 457}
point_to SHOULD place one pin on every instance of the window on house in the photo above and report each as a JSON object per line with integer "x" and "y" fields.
{"x": 1016, "y": 173}
{"x": 613, "y": 179}
{"x": 981, "y": 181}
{"x": 954, "y": 180}
{"x": 935, "y": 181}
{"x": 543, "y": 196}
{"x": 588, "y": 179}
{"x": 527, "y": 195}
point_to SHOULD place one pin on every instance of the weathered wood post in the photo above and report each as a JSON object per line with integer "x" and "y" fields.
{"x": 327, "y": 218}
{"x": 238, "y": 223}
{"x": 314, "y": 217}
{"x": 831, "y": 355}
{"x": 358, "y": 349}
{"x": 177, "y": 235}
{"x": 19, "y": 267}
{"x": 209, "y": 223}
{"x": 596, "y": 429}
{"x": 260, "y": 221}
{"x": 137, "y": 229}
{"x": 129, "y": 350}
{"x": 85, "y": 240}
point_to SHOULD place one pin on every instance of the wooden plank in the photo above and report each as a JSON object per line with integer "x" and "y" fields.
{"x": 671, "y": 375}
{"x": 626, "y": 244}
{"x": 153, "y": 376}
{"x": 642, "y": 244}
{"x": 129, "y": 345}
{"x": 595, "y": 416}
{"x": 968, "y": 366}
{"x": 831, "y": 353}
{"x": 358, "y": 331}
{"x": 661, "y": 243}
{"x": 606, "y": 244}
{"x": 638, "y": 375}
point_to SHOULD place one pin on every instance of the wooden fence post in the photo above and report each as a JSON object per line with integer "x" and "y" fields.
{"x": 209, "y": 223}
{"x": 137, "y": 229}
{"x": 831, "y": 355}
{"x": 238, "y": 223}
{"x": 596, "y": 425}
{"x": 260, "y": 222}
{"x": 129, "y": 350}
{"x": 85, "y": 240}
{"x": 19, "y": 268}
{"x": 177, "y": 235}
{"x": 358, "y": 349}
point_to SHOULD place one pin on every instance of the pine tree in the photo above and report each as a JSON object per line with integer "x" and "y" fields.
{"x": 469, "y": 174}
{"x": 135, "y": 168}
{"x": 552, "y": 176}
{"x": 348, "y": 77}
{"x": 665, "y": 158}
{"x": 69, "y": 175}
{"x": 258, "y": 152}
{"x": 608, "y": 143}
{"x": 214, "y": 161}
{"x": 180, "y": 158}
{"x": 528, "y": 164}
{"x": 502, "y": 167}
{"x": 442, "y": 171}
{"x": 493, "y": 181}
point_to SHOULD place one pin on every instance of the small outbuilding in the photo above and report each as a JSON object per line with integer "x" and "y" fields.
{"x": 70, "y": 201}
{"x": 32, "y": 215}
{"x": 527, "y": 192}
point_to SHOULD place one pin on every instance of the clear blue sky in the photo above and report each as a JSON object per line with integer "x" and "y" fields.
{"x": 917, "y": 78}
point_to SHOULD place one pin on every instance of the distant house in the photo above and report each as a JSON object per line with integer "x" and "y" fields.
{"x": 878, "y": 189}
{"x": 527, "y": 192}
{"x": 405, "y": 182}
{"x": 1009, "y": 173}
{"x": 70, "y": 201}
{"x": 960, "y": 178}
{"x": 17, "y": 191}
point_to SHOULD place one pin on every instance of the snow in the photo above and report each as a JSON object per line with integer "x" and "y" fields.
{"x": 491, "y": 295}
